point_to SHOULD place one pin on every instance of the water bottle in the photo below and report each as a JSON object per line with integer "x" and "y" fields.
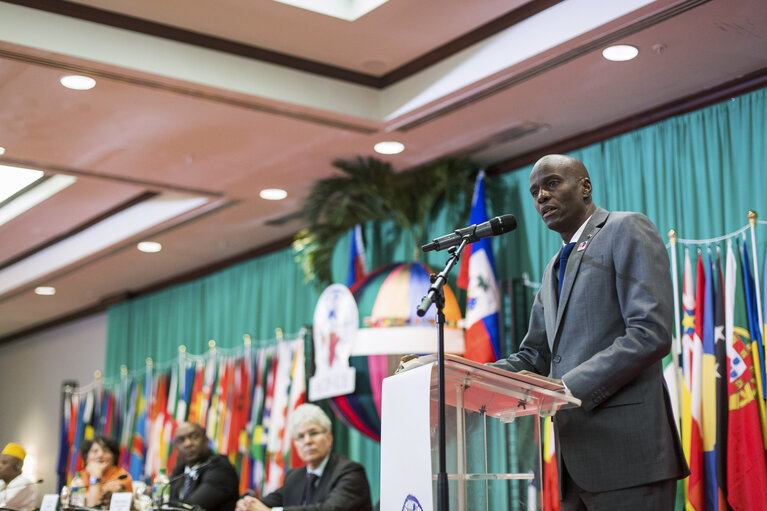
{"x": 160, "y": 489}
{"x": 77, "y": 491}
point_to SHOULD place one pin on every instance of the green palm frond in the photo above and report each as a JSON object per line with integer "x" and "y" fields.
{"x": 370, "y": 190}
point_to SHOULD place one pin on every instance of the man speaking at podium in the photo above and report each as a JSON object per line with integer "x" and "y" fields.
{"x": 601, "y": 322}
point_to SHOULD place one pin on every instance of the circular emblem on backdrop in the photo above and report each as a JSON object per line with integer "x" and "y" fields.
{"x": 336, "y": 321}
{"x": 411, "y": 504}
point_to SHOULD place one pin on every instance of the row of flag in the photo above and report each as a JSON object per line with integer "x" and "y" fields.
{"x": 718, "y": 378}
{"x": 722, "y": 413}
{"x": 717, "y": 387}
{"x": 243, "y": 401}
{"x": 717, "y": 383}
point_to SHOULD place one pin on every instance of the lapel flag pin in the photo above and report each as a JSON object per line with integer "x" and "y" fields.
{"x": 582, "y": 246}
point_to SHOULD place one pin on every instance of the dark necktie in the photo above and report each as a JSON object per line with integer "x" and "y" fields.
{"x": 563, "y": 264}
{"x": 309, "y": 492}
{"x": 188, "y": 480}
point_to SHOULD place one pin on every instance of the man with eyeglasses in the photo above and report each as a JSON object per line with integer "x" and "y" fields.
{"x": 202, "y": 478}
{"x": 329, "y": 481}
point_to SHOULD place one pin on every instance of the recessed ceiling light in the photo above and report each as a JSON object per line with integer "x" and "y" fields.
{"x": 150, "y": 247}
{"x": 620, "y": 52}
{"x": 2, "y": 150}
{"x": 389, "y": 147}
{"x": 45, "y": 290}
{"x": 273, "y": 194}
{"x": 78, "y": 82}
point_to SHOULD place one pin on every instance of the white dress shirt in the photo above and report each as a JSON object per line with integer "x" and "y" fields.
{"x": 18, "y": 494}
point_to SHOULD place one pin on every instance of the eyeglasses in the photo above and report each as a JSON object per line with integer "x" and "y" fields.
{"x": 312, "y": 433}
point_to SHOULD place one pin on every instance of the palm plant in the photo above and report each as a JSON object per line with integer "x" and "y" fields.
{"x": 370, "y": 190}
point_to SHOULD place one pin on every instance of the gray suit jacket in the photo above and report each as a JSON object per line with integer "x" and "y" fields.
{"x": 606, "y": 338}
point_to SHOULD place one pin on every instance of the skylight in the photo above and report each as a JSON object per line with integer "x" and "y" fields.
{"x": 100, "y": 236}
{"x": 15, "y": 179}
{"x": 348, "y": 10}
{"x": 31, "y": 198}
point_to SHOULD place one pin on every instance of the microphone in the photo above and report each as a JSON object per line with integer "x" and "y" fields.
{"x": 118, "y": 478}
{"x": 493, "y": 227}
{"x": 121, "y": 477}
{"x": 180, "y": 505}
{"x": 195, "y": 472}
{"x": 21, "y": 486}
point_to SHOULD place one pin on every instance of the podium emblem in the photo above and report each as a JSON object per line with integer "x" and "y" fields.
{"x": 411, "y": 504}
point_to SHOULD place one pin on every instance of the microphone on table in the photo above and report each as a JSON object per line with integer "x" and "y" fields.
{"x": 493, "y": 227}
{"x": 22, "y": 486}
{"x": 118, "y": 478}
{"x": 121, "y": 477}
{"x": 39, "y": 481}
{"x": 195, "y": 472}
{"x": 180, "y": 505}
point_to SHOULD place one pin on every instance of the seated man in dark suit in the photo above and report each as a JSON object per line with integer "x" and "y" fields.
{"x": 202, "y": 478}
{"x": 328, "y": 482}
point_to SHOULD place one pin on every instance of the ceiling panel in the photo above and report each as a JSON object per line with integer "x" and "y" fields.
{"x": 212, "y": 132}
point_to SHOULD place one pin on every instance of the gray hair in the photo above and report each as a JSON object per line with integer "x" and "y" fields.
{"x": 308, "y": 412}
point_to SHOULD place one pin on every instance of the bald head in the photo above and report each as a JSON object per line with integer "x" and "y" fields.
{"x": 191, "y": 442}
{"x": 561, "y": 188}
{"x": 564, "y": 164}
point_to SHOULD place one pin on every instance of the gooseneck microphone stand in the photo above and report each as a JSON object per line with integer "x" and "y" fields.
{"x": 436, "y": 295}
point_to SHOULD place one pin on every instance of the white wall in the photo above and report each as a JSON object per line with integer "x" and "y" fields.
{"x": 31, "y": 372}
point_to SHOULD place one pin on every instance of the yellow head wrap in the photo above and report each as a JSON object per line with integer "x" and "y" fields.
{"x": 15, "y": 450}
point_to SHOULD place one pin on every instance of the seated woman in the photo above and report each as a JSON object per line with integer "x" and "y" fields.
{"x": 102, "y": 476}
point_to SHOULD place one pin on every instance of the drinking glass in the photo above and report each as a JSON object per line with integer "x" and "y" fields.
{"x": 141, "y": 500}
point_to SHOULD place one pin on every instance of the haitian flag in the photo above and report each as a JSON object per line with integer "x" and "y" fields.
{"x": 357, "y": 264}
{"x": 483, "y": 298}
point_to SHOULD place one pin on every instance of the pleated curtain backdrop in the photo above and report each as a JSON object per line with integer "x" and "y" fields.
{"x": 698, "y": 173}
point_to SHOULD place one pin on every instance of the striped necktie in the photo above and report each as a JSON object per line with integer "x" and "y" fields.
{"x": 188, "y": 480}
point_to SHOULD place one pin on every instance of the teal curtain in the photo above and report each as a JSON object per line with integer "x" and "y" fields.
{"x": 698, "y": 173}
{"x": 255, "y": 298}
